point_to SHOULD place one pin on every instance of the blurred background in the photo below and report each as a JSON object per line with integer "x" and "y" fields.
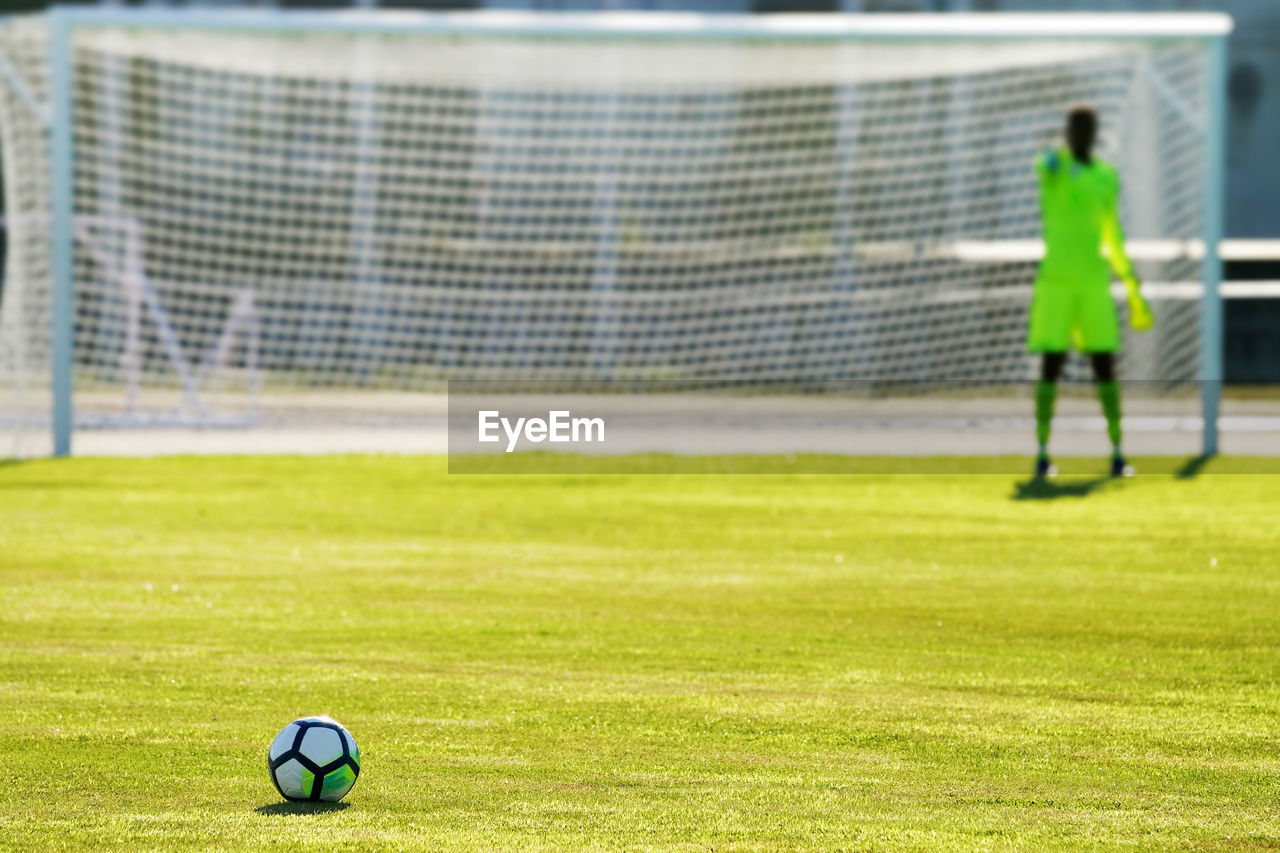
{"x": 1252, "y": 332}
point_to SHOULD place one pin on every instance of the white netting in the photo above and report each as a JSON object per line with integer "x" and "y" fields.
{"x": 24, "y": 286}
{"x": 299, "y": 223}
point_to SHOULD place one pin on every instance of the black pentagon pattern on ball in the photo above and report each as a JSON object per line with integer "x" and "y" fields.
{"x": 319, "y": 772}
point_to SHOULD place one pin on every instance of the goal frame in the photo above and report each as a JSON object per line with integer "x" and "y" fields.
{"x": 1212, "y": 28}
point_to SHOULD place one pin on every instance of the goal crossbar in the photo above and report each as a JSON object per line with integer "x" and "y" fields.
{"x": 675, "y": 25}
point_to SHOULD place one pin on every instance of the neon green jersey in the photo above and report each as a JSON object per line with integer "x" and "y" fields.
{"x": 1082, "y": 230}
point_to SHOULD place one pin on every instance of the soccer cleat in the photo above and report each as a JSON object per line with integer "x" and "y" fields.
{"x": 1121, "y": 468}
{"x": 1045, "y": 468}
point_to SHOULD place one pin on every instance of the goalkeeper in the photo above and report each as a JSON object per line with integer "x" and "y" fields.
{"x": 1072, "y": 304}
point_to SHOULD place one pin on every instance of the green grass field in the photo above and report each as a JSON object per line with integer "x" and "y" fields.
{"x": 700, "y": 662}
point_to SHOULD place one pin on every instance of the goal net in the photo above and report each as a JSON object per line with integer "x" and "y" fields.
{"x": 316, "y": 220}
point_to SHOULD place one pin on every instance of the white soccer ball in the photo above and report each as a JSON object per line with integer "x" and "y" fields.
{"x": 314, "y": 758}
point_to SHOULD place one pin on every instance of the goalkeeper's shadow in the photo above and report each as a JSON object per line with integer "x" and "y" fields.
{"x": 1041, "y": 489}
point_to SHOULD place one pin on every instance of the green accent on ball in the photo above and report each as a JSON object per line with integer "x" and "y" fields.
{"x": 306, "y": 783}
{"x": 337, "y": 783}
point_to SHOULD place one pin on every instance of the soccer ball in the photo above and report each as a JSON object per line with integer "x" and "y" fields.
{"x": 314, "y": 758}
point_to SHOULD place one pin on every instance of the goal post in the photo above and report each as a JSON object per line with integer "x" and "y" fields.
{"x": 1211, "y": 314}
{"x": 258, "y": 218}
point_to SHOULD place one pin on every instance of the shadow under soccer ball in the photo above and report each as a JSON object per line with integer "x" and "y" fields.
{"x": 300, "y": 807}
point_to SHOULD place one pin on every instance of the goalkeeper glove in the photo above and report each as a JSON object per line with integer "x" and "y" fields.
{"x": 1140, "y": 318}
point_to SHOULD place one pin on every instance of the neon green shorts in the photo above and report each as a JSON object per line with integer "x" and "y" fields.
{"x": 1062, "y": 318}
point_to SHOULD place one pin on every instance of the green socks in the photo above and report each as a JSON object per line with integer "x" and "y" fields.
{"x": 1109, "y": 396}
{"x": 1046, "y": 395}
